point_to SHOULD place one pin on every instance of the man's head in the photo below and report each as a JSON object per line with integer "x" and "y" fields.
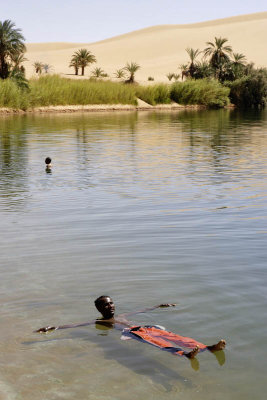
{"x": 48, "y": 160}
{"x": 105, "y": 306}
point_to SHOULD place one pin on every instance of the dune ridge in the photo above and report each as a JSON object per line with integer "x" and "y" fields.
{"x": 158, "y": 49}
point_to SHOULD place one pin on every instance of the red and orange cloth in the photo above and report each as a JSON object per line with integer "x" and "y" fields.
{"x": 159, "y": 337}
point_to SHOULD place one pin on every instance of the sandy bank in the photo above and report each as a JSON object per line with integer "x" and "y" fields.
{"x": 142, "y": 106}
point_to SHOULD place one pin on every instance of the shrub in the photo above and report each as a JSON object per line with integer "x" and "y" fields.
{"x": 156, "y": 94}
{"x": 205, "y": 92}
{"x": 99, "y": 73}
{"x": 150, "y": 78}
{"x": 249, "y": 91}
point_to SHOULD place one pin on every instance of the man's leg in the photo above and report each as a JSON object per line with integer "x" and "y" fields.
{"x": 180, "y": 352}
{"x": 162, "y": 339}
{"x": 152, "y": 336}
{"x": 191, "y": 343}
{"x": 178, "y": 339}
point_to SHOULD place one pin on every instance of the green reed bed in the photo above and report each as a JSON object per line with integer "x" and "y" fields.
{"x": 11, "y": 96}
{"x": 154, "y": 94}
{"x": 205, "y": 92}
{"x": 209, "y": 93}
{"x": 54, "y": 90}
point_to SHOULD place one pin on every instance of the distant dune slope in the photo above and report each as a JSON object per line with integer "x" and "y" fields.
{"x": 159, "y": 49}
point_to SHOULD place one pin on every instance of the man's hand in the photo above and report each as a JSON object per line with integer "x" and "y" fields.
{"x": 167, "y": 305}
{"x": 46, "y": 329}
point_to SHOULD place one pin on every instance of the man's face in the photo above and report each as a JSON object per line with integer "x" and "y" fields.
{"x": 107, "y": 308}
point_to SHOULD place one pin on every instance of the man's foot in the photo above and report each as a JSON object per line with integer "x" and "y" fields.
{"x": 218, "y": 346}
{"x": 192, "y": 353}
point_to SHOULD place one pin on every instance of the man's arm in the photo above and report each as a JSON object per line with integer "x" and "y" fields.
{"x": 148, "y": 309}
{"x": 47, "y": 329}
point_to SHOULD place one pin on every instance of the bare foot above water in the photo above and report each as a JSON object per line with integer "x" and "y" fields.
{"x": 218, "y": 346}
{"x": 192, "y": 353}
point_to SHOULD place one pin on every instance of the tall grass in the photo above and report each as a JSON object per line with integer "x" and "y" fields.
{"x": 11, "y": 96}
{"x": 154, "y": 94}
{"x": 54, "y": 90}
{"x": 205, "y": 92}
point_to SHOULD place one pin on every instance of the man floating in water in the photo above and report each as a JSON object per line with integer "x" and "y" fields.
{"x": 48, "y": 163}
{"x": 154, "y": 335}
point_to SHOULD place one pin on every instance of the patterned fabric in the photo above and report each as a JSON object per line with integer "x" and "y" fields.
{"x": 159, "y": 337}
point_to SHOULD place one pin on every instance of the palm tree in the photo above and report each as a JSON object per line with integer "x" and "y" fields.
{"x": 119, "y": 73}
{"x": 184, "y": 70}
{"x": 219, "y": 54}
{"x": 18, "y": 59}
{"x": 203, "y": 70}
{"x": 75, "y": 63}
{"x": 132, "y": 68}
{"x": 85, "y": 58}
{"x": 98, "y": 72}
{"x": 192, "y": 55}
{"x": 176, "y": 77}
{"x": 11, "y": 44}
{"x": 38, "y": 67}
{"x": 47, "y": 68}
{"x": 235, "y": 69}
{"x": 170, "y": 75}
{"x": 239, "y": 59}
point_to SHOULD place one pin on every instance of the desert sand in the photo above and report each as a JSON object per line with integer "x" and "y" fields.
{"x": 158, "y": 49}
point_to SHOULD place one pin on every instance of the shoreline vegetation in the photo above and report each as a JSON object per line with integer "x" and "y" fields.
{"x": 221, "y": 77}
{"x": 54, "y": 93}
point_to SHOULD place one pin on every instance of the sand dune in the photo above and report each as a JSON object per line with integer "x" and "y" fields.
{"x": 158, "y": 49}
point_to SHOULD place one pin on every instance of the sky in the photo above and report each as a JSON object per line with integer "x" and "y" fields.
{"x": 87, "y": 21}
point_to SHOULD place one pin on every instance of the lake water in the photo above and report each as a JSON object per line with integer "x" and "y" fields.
{"x": 146, "y": 207}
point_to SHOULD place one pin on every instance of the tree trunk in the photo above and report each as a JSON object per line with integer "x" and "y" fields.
{"x": 3, "y": 68}
{"x": 82, "y": 71}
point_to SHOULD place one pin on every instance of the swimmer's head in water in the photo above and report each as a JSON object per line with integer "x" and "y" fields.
{"x": 48, "y": 160}
{"x": 105, "y": 306}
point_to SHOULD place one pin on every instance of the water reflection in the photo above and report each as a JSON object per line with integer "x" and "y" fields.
{"x": 14, "y": 159}
{"x": 152, "y": 143}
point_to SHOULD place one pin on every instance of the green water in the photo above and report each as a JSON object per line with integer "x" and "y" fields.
{"x": 146, "y": 207}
